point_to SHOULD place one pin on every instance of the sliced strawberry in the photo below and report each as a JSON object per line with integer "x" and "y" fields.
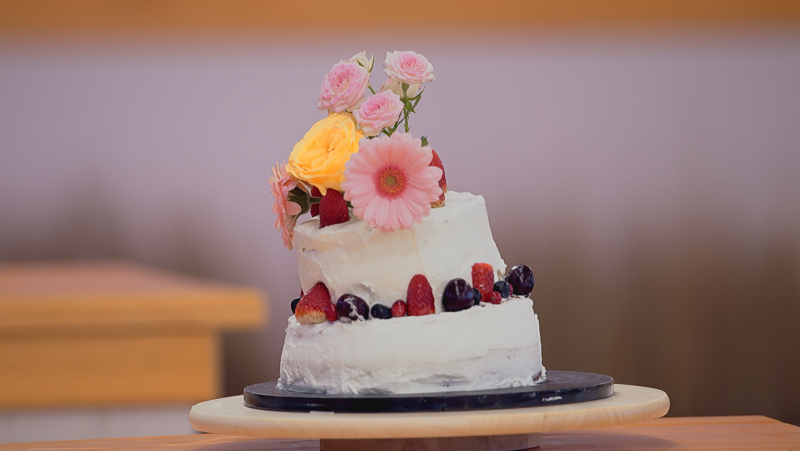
{"x": 315, "y": 207}
{"x": 313, "y": 306}
{"x": 419, "y": 300}
{"x": 436, "y": 161}
{"x": 333, "y": 209}
{"x": 398, "y": 309}
{"x": 483, "y": 279}
{"x": 495, "y": 298}
{"x": 330, "y": 312}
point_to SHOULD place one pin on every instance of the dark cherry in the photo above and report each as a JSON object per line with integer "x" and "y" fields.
{"x": 521, "y": 279}
{"x": 458, "y": 295}
{"x": 502, "y": 287}
{"x": 294, "y": 304}
{"x": 380, "y": 311}
{"x": 476, "y": 295}
{"x": 350, "y": 307}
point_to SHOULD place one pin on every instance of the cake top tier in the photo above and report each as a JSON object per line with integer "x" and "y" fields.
{"x": 354, "y": 258}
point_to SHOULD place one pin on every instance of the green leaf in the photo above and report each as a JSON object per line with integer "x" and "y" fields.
{"x": 424, "y": 140}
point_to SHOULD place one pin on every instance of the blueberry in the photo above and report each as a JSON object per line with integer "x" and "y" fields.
{"x": 294, "y": 304}
{"x": 502, "y": 287}
{"x": 350, "y": 307}
{"x": 458, "y": 295}
{"x": 380, "y": 311}
{"x": 476, "y": 295}
{"x": 521, "y": 279}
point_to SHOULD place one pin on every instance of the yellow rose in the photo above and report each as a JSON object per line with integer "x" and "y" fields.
{"x": 320, "y": 156}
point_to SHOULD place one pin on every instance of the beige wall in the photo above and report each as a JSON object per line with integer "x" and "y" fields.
{"x": 650, "y": 179}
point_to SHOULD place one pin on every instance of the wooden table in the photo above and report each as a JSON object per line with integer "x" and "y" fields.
{"x": 101, "y": 326}
{"x": 668, "y": 434}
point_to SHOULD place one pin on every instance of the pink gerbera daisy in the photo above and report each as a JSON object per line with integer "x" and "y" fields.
{"x": 287, "y": 211}
{"x": 389, "y": 182}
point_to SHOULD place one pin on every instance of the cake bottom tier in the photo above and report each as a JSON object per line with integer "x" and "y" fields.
{"x": 485, "y": 347}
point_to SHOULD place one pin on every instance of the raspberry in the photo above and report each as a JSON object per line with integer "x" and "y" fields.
{"x": 330, "y": 312}
{"x": 398, "y": 309}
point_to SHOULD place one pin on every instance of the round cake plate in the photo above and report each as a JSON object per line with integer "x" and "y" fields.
{"x": 469, "y": 430}
{"x": 561, "y": 387}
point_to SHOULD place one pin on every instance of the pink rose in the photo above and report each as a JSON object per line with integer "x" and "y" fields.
{"x": 343, "y": 87}
{"x": 408, "y": 67}
{"x": 379, "y": 111}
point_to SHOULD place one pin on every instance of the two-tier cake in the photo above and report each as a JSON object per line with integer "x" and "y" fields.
{"x": 403, "y": 288}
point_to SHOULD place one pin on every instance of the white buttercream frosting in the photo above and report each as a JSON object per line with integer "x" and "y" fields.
{"x": 354, "y": 258}
{"x": 485, "y": 347}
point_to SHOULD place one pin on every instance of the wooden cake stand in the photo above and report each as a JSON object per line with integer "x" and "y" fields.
{"x": 466, "y": 430}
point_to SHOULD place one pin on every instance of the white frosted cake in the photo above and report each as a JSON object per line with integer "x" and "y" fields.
{"x": 403, "y": 288}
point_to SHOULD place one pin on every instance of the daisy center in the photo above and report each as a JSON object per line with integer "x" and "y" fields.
{"x": 390, "y": 181}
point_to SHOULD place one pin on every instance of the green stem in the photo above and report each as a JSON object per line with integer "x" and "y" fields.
{"x": 370, "y": 88}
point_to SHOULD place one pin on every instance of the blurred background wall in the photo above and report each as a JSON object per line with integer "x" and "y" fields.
{"x": 644, "y": 160}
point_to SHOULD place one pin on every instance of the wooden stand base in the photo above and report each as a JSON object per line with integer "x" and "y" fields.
{"x": 516, "y": 442}
{"x": 493, "y": 430}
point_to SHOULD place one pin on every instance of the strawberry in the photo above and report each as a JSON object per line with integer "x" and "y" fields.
{"x": 483, "y": 279}
{"x": 330, "y": 312}
{"x": 495, "y": 298}
{"x": 333, "y": 209}
{"x": 315, "y": 207}
{"x": 436, "y": 161}
{"x": 313, "y": 306}
{"x": 419, "y": 300}
{"x": 398, "y": 309}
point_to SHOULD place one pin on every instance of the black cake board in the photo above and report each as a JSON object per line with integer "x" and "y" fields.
{"x": 560, "y": 387}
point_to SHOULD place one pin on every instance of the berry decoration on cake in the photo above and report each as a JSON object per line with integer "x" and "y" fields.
{"x": 521, "y": 280}
{"x": 312, "y": 307}
{"x": 502, "y": 287}
{"x": 398, "y": 309}
{"x": 333, "y": 209}
{"x": 419, "y": 300}
{"x": 476, "y": 296}
{"x": 457, "y": 296}
{"x": 380, "y": 311}
{"x": 330, "y": 312}
{"x": 483, "y": 279}
{"x": 350, "y": 307}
